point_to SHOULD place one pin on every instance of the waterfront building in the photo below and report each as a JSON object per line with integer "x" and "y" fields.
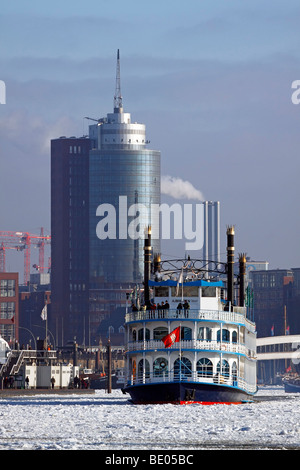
{"x": 69, "y": 238}
{"x": 9, "y": 306}
{"x": 31, "y": 324}
{"x": 273, "y": 292}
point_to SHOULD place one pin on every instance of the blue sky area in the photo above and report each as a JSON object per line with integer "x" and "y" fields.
{"x": 211, "y": 81}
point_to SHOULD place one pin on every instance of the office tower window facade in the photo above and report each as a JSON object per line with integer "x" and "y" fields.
{"x": 69, "y": 239}
{"x": 133, "y": 175}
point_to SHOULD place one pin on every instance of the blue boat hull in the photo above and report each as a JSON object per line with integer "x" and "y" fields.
{"x": 185, "y": 393}
{"x": 289, "y": 387}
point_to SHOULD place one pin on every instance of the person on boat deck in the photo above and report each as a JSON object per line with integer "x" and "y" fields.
{"x": 179, "y": 308}
{"x": 152, "y": 309}
{"x": 134, "y": 307}
{"x": 167, "y": 305}
{"x": 186, "y": 307}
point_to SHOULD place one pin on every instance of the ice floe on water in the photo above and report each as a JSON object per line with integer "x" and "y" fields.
{"x": 104, "y": 421}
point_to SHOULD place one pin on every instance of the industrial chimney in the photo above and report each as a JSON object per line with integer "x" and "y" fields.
{"x": 230, "y": 266}
{"x": 147, "y": 265}
{"x": 242, "y": 277}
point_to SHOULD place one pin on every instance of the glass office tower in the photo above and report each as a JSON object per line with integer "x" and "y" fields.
{"x": 124, "y": 183}
{"x": 125, "y": 180}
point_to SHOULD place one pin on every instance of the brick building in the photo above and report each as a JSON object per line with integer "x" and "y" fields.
{"x": 9, "y": 307}
{"x": 277, "y": 301}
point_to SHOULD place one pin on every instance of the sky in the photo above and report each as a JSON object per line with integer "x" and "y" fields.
{"x": 211, "y": 81}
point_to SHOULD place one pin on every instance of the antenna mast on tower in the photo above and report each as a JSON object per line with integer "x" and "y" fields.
{"x": 118, "y": 105}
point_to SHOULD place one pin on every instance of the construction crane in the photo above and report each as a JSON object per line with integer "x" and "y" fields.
{"x": 3, "y": 249}
{"x": 22, "y": 241}
{"x": 92, "y": 119}
{"x": 41, "y": 269}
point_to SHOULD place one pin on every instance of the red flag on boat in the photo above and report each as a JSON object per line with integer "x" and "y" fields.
{"x": 171, "y": 338}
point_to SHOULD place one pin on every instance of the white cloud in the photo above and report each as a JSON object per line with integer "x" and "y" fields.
{"x": 180, "y": 189}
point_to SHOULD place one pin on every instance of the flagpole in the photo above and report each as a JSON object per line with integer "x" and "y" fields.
{"x": 181, "y": 288}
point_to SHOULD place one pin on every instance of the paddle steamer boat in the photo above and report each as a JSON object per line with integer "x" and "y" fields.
{"x": 194, "y": 341}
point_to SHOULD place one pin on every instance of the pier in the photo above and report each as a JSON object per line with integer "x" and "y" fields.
{"x": 275, "y": 354}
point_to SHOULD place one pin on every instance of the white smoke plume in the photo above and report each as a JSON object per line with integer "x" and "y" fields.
{"x": 179, "y": 189}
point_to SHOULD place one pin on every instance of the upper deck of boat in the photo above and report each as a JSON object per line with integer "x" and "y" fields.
{"x": 237, "y": 315}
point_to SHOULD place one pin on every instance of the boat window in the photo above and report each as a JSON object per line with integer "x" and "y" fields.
{"x": 188, "y": 291}
{"x": 208, "y": 291}
{"x": 141, "y": 334}
{"x": 224, "y": 370}
{"x": 234, "y": 337}
{"x": 161, "y": 292}
{"x": 160, "y": 367}
{"x": 204, "y": 367}
{"x": 225, "y": 335}
{"x": 110, "y": 330}
{"x": 160, "y": 332}
{"x": 204, "y": 333}
{"x": 182, "y": 367}
{"x": 186, "y": 333}
{"x": 234, "y": 371}
{"x": 141, "y": 369}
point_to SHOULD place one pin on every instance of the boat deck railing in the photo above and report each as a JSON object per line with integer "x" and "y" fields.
{"x": 192, "y": 377}
{"x": 191, "y": 314}
{"x": 192, "y": 344}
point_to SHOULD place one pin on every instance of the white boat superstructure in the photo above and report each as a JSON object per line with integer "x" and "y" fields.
{"x": 216, "y": 345}
{"x": 191, "y": 342}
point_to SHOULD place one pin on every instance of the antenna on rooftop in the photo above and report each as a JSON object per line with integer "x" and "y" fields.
{"x": 118, "y": 105}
